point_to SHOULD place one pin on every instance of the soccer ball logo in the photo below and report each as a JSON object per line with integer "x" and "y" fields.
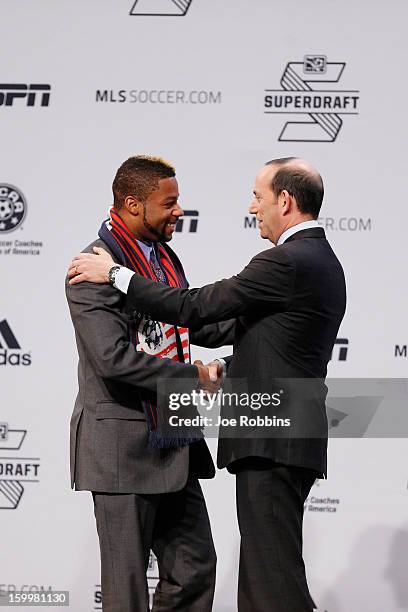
{"x": 13, "y": 208}
{"x": 6, "y": 209}
{"x": 153, "y": 333}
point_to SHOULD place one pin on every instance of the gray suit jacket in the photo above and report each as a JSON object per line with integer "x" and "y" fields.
{"x": 109, "y": 438}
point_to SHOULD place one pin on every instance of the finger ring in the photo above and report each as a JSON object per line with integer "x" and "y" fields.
{"x": 76, "y": 269}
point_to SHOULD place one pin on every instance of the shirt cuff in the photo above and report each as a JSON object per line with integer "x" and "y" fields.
{"x": 123, "y": 278}
{"x": 224, "y": 367}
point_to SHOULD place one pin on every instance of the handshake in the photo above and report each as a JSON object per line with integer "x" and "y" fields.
{"x": 210, "y": 375}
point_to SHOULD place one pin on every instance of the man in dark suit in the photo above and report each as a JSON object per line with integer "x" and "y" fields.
{"x": 145, "y": 497}
{"x": 288, "y": 302}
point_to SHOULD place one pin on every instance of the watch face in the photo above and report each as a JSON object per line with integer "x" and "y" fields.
{"x": 112, "y": 274}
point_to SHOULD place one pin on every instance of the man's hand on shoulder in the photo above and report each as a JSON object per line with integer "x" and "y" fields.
{"x": 91, "y": 267}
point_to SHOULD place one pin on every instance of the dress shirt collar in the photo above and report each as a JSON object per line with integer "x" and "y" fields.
{"x": 295, "y": 229}
{"x": 146, "y": 248}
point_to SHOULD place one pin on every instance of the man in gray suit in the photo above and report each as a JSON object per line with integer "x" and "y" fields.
{"x": 146, "y": 495}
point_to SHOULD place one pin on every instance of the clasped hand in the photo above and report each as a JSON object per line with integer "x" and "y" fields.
{"x": 210, "y": 375}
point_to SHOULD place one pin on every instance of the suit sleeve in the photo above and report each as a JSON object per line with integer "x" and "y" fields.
{"x": 228, "y": 360}
{"x": 214, "y": 335}
{"x": 101, "y": 325}
{"x": 267, "y": 282}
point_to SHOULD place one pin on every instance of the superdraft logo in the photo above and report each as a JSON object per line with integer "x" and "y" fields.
{"x": 163, "y": 8}
{"x": 15, "y": 470}
{"x": 309, "y": 91}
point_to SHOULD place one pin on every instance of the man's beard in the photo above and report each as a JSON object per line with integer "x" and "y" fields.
{"x": 160, "y": 237}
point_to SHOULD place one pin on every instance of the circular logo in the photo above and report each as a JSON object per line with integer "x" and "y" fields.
{"x": 153, "y": 333}
{"x": 13, "y": 208}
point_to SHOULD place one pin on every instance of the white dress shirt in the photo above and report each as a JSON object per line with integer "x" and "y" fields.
{"x": 295, "y": 229}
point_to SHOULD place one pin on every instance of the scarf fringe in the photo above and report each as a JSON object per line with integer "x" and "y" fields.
{"x": 157, "y": 441}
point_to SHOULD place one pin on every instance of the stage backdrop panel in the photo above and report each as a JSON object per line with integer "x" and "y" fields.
{"x": 218, "y": 88}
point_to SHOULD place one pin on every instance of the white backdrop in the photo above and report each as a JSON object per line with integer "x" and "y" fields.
{"x": 105, "y": 68}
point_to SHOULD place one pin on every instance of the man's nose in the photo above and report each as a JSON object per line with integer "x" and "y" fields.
{"x": 178, "y": 211}
{"x": 253, "y": 207}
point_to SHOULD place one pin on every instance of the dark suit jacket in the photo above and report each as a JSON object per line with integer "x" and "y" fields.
{"x": 109, "y": 438}
{"x": 289, "y": 302}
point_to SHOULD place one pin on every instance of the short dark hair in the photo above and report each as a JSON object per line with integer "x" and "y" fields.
{"x": 304, "y": 185}
{"x": 139, "y": 176}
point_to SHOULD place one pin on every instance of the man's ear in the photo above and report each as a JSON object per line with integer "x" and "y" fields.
{"x": 286, "y": 202}
{"x": 133, "y": 205}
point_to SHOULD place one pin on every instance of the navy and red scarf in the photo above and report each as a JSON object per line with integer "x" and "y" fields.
{"x": 173, "y": 341}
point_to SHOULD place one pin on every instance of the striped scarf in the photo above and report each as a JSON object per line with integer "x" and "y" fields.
{"x": 152, "y": 337}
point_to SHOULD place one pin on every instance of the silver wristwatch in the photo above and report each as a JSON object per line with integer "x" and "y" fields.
{"x": 112, "y": 274}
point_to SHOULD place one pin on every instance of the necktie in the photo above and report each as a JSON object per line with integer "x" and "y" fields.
{"x": 156, "y": 267}
{"x": 154, "y": 264}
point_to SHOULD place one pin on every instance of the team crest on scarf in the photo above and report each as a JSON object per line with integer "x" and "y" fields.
{"x": 150, "y": 335}
{"x": 159, "y": 339}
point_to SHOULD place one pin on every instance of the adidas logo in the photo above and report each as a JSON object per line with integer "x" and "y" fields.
{"x": 10, "y": 349}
